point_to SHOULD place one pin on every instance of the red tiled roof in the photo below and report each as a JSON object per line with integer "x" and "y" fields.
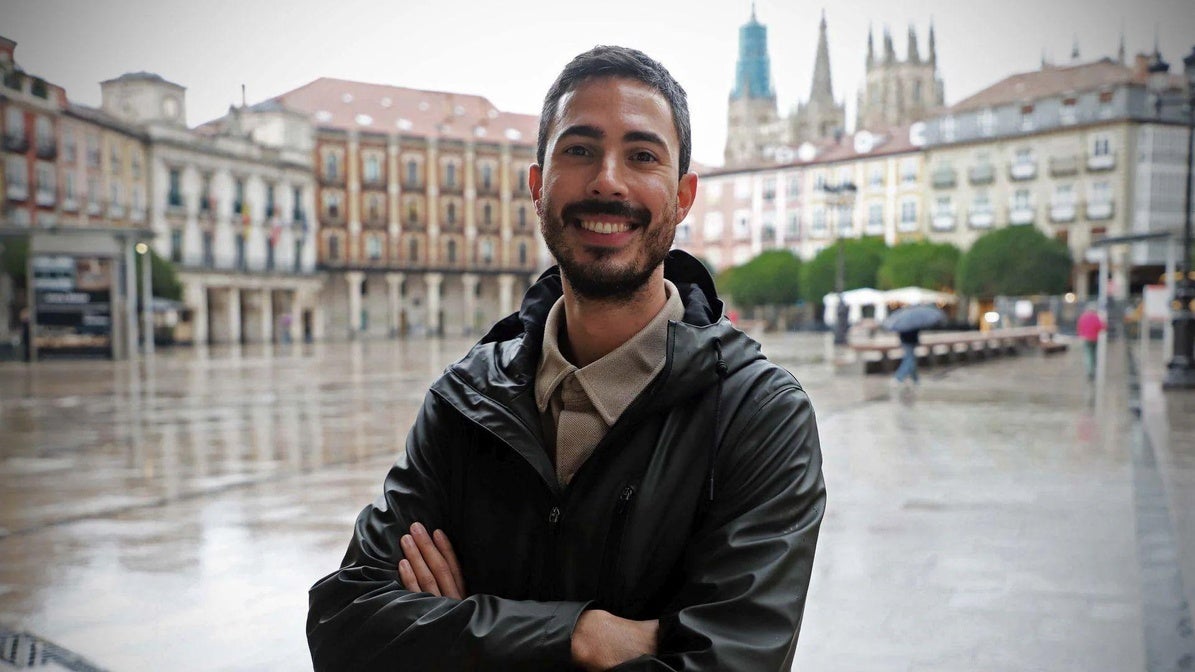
{"x": 1051, "y": 81}
{"x": 344, "y": 104}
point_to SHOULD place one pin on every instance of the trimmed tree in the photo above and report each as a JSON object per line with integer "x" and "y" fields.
{"x": 919, "y": 264}
{"x": 162, "y": 274}
{"x": 770, "y": 279}
{"x": 1015, "y": 261}
{"x": 862, "y": 258}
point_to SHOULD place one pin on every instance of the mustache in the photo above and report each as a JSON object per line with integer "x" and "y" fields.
{"x": 593, "y": 206}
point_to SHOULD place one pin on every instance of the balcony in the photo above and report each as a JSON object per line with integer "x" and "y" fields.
{"x": 16, "y": 143}
{"x": 984, "y": 173}
{"x": 455, "y": 187}
{"x": 1022, "y": 170}
{"x": 1020, "y": 214}
{"x": 332, "y": 179}
{"x": 981, "y": 218}
{"x": 175, "y": 204}
{"x": 1062, "y": 212}
{"x": 115, "y": 210}
{"x": 46, "y": 149}
{"x": 942, "y": 220}
{"x": 412, "y": 185}
{"x": 1098, "y": 162}
{"x": 207, "y": 207}
{"x": 1061, "y": 166}
{"x": 1099, "y": 210}
{"x": 94, "y": 208}
{"x": 17, "y": 191}
{"x": 45, "y": 198}
{"x": 373, "y": 182}
{"x": 69, "y": 204}
{"x": 944, "y": 178}
{"x": 137, "y": 214}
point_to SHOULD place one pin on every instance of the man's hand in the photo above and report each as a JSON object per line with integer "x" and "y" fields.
{"x": 430, "y": 564}
{"x": 602, "y": 640}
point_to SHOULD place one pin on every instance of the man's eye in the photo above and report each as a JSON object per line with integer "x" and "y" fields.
{"x": 646, "y": 157}
{"x": 577, "y": 150}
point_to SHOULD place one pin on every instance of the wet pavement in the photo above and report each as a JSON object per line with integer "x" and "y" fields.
{"x": 172, "y": 514}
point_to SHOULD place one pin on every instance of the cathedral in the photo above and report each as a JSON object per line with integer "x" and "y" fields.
{"x": 894, "y": 93}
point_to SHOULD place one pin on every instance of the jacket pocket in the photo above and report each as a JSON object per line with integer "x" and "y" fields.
{"x": 611, "y": 582}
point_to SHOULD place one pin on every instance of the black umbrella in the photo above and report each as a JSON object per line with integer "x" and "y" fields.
{"x": 911, "y": 318}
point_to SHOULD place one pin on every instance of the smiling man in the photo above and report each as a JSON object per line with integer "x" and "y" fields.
{"x": 615, "y": 475}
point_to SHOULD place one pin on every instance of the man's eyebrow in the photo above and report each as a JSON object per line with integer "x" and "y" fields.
{"x": 644, "y": 136}
{"x": 584, "y": 131}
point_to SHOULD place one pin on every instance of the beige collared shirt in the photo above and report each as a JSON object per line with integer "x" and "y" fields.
{"x": 578, "y": 406}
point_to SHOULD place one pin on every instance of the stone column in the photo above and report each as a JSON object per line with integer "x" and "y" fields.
{"x": 267, "y": 315}
{"x": 394, "y": 282}
{"x": 433, "y": 280}
{"x": 297, "y": 300}
{"x": 469, "y": 280}
{"x": 354, "y": 279}
{"x": 195, "y": 296}
{"x": 234, "y": 315}
{"x": 506, "y": 283}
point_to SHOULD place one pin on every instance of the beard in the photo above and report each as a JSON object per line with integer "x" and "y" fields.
{"x": 605, "y": 278}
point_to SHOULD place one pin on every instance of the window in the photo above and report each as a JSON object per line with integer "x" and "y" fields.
{"x": 207, "y": 202}
{"x": 767, "y": 230}
{"x": 1100, "y": 192}
{"x": 1064, "y": 194}
{"x": 114, "y": 159}
{"x": 684, "y": 231}
{"x": 1101, "y": 145}
{"x": 450, "y": 211}
{"x": 93, "y": 151}
{"x": 331, "y": 165}
{"x": 981, "y": 202}
{"x": 238, "y": 204}
{"x": 948, "y": 128}
{"x": 450, "y": 175}
{"x": 522, "y": 216}
{"x": 412, "y": 173}
{"x": 297, "y": 204}
{"x": 819, "y": 181}
{"x": 487, "y": 213}
{"x": 174, "y": 198}
{"x": 375, "y": 208}
{"x": 908, "y": 171}
{"x": 333, "y": 247}
{"x": 769, "y": 188}
{"x": 792, "y": 229}
{"x": 1021, "y": 199}
{"x": 240, "y": 251}
{"x": 876, "y": 177}
{"x": 908, "y": 215}
{"x": 209, "y": 256}
{"x": 742, "y": 224}
{"x": 14, "y": 124}
{"x": 487, "y": 176}
{"x": 271, "y": 206}
{"x": 987, "y": 122}
{"x": 413, "y": 249}
{"x": 1067, "y": 115}
{"x": 332, "y": 204}
{"x": 47, "y": 187}
{"x": 68, "y": 144}
{"x": 373, "y": 168}
{"x": 412, "y": 213}
{"x": 68, "y": 189}
{"x": 522, "y": 254}
{"x": 176, "y": 246}
{"x": 713, "y": 226}
{"x": 373, "y": 247}
{"x": 44, "y": 130}
{"x": 794, "y": 186}
{"x": 1027, "y": 122}
{"x": 875, "y": 218}
{"x": 1023, "y": 156}
{"x": 487, "y": 251}
{"x": 819, "y": 223}
{"x": 521, "y": 181}
{"x": 451, "y": 247}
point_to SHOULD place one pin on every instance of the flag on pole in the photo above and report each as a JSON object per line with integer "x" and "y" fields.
{"x": 245, "y": 221}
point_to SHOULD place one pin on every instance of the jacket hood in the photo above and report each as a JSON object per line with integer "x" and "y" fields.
{"x": 504, "y": 362}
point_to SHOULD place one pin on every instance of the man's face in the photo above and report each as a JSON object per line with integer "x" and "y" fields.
{"x": 608, "y": 196}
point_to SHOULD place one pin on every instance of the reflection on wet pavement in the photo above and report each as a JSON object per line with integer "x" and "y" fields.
{"x": 172, "y": 514}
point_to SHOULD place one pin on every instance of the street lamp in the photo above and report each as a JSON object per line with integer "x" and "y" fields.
{"x": 842, "y": 194}
{"x": 1180, "y": 372}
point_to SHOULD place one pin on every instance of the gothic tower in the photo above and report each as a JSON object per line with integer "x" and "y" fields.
{"x": 752, "y": 120}
{"x": 822, "y": 116}
{"x": 896, "y": 92}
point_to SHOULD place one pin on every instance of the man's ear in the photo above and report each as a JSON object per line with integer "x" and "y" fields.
{"x": 686, "y": 191}
{"x": 535, "y": 180}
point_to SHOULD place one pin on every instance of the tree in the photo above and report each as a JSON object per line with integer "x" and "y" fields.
{"x": 162, "y": 274}
{"x": 919, "y": 264}
{"x": 862, "y": 258}
{"x": 1015, "y": 261}
{"x": 14, "y": 255}
{"x": 770, "y": 279}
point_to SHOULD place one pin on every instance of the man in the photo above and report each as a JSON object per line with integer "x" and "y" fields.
{"x": 613, "y": 475}
{"x": 909, "y": 340}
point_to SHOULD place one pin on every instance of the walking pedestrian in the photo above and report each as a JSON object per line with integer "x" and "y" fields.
{"x": 1089, "y": 328}
{"x": 909, "y": 340}
{"x": 615, "y": 473}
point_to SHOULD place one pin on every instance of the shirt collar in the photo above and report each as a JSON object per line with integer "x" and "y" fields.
{"x": 612, "y": 382}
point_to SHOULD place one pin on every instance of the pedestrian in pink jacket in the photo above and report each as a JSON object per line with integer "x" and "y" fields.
{"x": 1089, "y": 327}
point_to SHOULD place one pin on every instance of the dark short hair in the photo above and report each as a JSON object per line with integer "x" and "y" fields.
{"x": 611, "y": 61}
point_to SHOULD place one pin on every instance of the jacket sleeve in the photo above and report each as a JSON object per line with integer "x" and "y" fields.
{"x": 747, "y": 568}
{"x": 361, "y": 618}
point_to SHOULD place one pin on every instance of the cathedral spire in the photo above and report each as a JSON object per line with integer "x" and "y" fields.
{"x": 823, "y": 89}
{"x": 912, "y": 54}
{"x": 933, "y": 49}
{"x": 753, "y": 74}
{"x": 870, "y": 47}
{"x": 1120, "y": 49}
{"x": 889, "y": 50}
{"x": 1075, "y": 48}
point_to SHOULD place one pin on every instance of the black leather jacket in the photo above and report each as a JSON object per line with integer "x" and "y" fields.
{"x": 701, "y": 507}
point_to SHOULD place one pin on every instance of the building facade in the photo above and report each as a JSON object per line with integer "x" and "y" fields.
{"x": 896, "y": 92}
{"x": 229, "y": 208}
{"x": 426, "y": 220}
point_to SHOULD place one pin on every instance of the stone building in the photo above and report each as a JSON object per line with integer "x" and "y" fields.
{"x": 426, "y": 220}
{"x": 229, "y": 207}
{"x": 896, "y": 92}
{"x": 753, "y": 126}
{"x": 821, "y": 116}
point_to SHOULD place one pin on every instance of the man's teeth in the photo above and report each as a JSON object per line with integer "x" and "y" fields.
{"x": 605, "y": 227}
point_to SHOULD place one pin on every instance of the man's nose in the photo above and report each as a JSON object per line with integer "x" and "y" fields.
{"x": 609, "y": 181}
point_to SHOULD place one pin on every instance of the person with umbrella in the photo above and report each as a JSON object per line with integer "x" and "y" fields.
{"x": 908, "y": 323}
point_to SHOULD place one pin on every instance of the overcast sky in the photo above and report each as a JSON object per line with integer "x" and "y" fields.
{"x": 511, "y": 51}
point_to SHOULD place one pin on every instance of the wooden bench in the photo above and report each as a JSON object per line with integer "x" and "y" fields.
{"x": 883, "y": 354}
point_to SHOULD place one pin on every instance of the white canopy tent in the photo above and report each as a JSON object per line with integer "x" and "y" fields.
{"x": 858, "y": 299}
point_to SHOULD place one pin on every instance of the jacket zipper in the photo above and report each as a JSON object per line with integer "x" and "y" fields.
{"x": 611, "y": 584}
{"x": 542, "y": 586}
